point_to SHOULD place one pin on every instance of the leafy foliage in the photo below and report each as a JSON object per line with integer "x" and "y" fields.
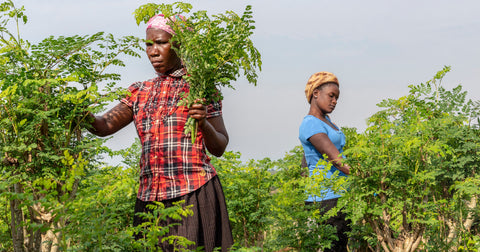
{"x": 249, "y": 190}
{"x": 296, "y": 225}
{"x": 101, "y": 216}
{"x": 46, "y": 94}
{"x": 411, "y": 165}
{"x": 154, "y": 231}
{"x": 213, "y": 49}
{"x": 415, "y": 182}
{"x": 266, "y": 203}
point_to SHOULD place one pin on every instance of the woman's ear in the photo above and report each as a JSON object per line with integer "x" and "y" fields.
{"x": 315, "y": 93}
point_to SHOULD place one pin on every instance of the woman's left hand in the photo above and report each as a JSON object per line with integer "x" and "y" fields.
{"x": 198, "y": 111}
{"x": 213, "y": 129}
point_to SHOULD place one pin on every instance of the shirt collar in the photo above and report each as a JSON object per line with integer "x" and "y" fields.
{"x": 177, "y": 73}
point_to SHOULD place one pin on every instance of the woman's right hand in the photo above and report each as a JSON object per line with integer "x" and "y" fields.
{"x": 324, "y": 145}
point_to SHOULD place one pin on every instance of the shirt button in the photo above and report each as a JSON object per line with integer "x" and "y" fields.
{"x": 203, "y": 173}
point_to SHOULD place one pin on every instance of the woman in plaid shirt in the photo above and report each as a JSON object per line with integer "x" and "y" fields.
{"x": 172, "y": 168}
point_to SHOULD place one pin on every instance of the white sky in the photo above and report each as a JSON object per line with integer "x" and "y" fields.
{"x": 376, "y": 48}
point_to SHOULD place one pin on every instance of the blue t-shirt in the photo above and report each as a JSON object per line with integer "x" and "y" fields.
{"x": 309, "y": 127}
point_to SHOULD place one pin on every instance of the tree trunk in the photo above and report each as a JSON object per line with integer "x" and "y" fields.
{"x": 407, "y": 241}
{"x": 47, "y": 241}
{"x": 471, "y": 206}
{"x": 25, "y": 239}
{"x": 18, "y": 237}
{"x": 466, "y": 225}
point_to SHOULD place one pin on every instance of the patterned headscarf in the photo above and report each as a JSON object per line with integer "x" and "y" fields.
{"x": 316, "y": 80}
{"x": 161, "y": 22}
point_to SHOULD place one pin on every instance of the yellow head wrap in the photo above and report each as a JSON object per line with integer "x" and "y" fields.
{"x": 316, "y": 80}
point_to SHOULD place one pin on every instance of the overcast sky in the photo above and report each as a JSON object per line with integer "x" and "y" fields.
{"x": 376, "y": 49}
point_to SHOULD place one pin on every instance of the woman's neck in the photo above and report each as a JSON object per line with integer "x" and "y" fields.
{"x": 317, "y": 113}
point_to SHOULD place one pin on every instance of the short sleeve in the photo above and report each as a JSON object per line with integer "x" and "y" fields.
{"x": 309, "y": 127}
{"x": 214, "y": 109}
{"x": 129, "y": 100}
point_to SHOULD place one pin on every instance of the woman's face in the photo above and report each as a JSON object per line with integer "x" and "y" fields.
{"x": 326, "y": 97}
{"x": 162, "y": 57}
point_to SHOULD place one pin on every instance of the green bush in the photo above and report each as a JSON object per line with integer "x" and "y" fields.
{"x": 248, "y": 193}
{"x": 47, "y": 91}
{"x": 415, "y": 181}
{"x": 296, "y": 225}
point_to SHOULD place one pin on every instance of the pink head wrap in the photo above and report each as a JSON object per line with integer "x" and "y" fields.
{"x": 161, "y": 22}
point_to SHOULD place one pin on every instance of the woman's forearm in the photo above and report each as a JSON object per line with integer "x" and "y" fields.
{"x": 112, "y": 121}
{"x": 215, "y": 136}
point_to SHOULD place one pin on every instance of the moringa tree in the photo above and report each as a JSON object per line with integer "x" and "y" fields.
{"x": 415, "y": 180}
{"x": 47, "y": 90}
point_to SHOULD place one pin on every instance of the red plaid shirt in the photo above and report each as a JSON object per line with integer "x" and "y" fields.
{"x": 171, "y": 166}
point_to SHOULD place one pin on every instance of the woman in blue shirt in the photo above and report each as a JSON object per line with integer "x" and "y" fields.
{"x": 319, "y": 136}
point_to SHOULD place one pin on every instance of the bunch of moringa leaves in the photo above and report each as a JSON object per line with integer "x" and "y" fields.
{"x": 213, "y": 49}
